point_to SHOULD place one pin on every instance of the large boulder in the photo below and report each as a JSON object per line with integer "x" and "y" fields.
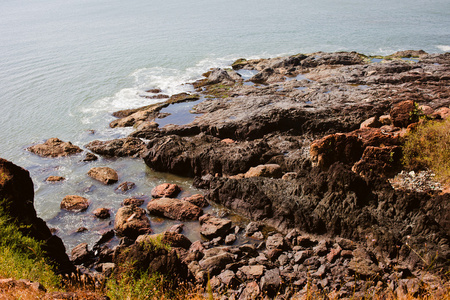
{"x": 105, "y": 175}
{"x": 174, "y": 209}
{"x": 128, "y": 146}
{"x": 131, "y": 221}
{"x": 54, "y": 147}
{"x": 17, "y": 197}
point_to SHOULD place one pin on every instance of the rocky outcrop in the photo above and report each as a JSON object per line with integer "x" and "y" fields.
{"x": 117, "y": 148}
{"x": 54, "y": 147}
{"x": 17, "y": 194}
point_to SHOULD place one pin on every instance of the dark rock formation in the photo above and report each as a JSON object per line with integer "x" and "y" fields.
{"x": 17, "y": 195}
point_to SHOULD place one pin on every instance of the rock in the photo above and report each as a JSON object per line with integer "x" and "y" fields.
{"x": 441, "y": 113}
{"x": 289, "y": 176}
{"x": 81, "y": 255}
{"x": 379, "y": 161}
{"x": 177, "y": 228}
{"x": 276, "y": 241}
{"x": 175, "y": 209}
{"x": 252, "y": 272}
{"x": 228, "y": 278}
{"x": 125, "y": 187}
{"x": 197, "y": 199}
{"x": 363, "y": 265}
{"x": 212, "y": 227}
{"x": 55, "y": 178}
{"x": 385, "y": 120}
{"x": 152, "y": 258}
{"x": 251, "y": 291}
{"x": 74, "y": 203}
{"x": 21, "y": 284}
{"x": 230, "y": 239}
{"x": 269, "y": 170}
{"x": 165, "y": 190}
{"x": 54, "y": 147}
{"x": 252, "y": 227}
{"x": 105, "y": 175}
{"x": 271, "y": 282}
{"x": 131, "y": 221}
{"x": 90, "y": 157}
{"x": 133, "y": 201}
{"x": 102, "y": 213}
{"x": 219, "y": 76}
{"x": 426, "y": 110}
{"x": 334, "y": 254}
{"x": 371, "y": 122}
{"x": 215, "y": 264}
{"x": 124, "y": 147}
{"x": 171, "y": 239}
{"x": 106, "y": 237}
{"x": 404, "y": 113}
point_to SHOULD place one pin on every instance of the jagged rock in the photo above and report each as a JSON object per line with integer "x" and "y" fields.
{"x": 74, "y": 203}
{"x": 404, "y": 113}
{"x": 271, "y": 282}
{"x": 54, "y": 147}
{"x": 174, "y": 209}
{"x": 379, "y": 161}
{"x": 131, "y": 221}
{"x": 128, "y": 146}
{"x": 215, "y": 264}
{"x": 105, "y": 175}
{"x": 125, "y": 187}
{"x": 212, "y": 227}
{"x": 219, "y": 76}
{"x": 81, "y": 255}
{"x": 165, "y": 190}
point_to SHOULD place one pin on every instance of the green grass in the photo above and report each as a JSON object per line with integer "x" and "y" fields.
{"x": 21, "y": 257}
{"x": 429, "y": 147}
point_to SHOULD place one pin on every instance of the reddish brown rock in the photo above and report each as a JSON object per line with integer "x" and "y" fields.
{"x": 174, "y": 209}
{"x": 125, "y": 187}
{"x": 54, "y": 147}
{"x": 165, "y": 190}
{"x": 197, "y": 199}
{"x": 133, "y": 201}
{"x": 55, "y": 178}
{"x": 442, "y": 113}
{"x": 104, "y": 174}
{"x": 102, "y": 213}
{"x": 404, "y": 113}
{"x": 74, "y": 203}
{"x": 372, "y": 122}
{"x": 268, "y": 170}
{"x": 131, "y": 221}
{"x": 379, "y": 161}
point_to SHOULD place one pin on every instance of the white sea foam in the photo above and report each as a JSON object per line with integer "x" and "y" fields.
{"x": 445, "y": 48}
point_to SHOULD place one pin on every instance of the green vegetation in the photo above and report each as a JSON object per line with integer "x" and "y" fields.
{"x": 429, "y": 147}
{"x": 21, "y": 257}
{"x": 157, "y": 242}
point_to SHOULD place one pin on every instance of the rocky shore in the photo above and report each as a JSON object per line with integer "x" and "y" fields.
{"x": 308, "y": 148}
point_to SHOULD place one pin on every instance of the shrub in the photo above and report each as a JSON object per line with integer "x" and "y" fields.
{"x": 429, "y": 147}
{"x": 21, "y": 257}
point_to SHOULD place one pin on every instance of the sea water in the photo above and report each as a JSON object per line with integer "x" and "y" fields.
{"x": 65, "y": 66}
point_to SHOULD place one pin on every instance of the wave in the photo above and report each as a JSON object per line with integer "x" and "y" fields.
{"x": 445, "y": 48}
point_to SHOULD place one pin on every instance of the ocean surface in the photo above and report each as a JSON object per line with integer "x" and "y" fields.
{"x": 66, "y": 65}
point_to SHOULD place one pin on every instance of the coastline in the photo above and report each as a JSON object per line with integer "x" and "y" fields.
{"x": 300, "y": 118}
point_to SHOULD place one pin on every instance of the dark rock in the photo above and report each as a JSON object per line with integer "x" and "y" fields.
{"x": 174, "y": 209}
{"x": 54, "y": 147}
{"x": 404, "y": 113}
{"x": 165, "y": 190}
{"x": 74, "y": 203}
{"x": 133, "y": 201}
{"x": 363, "y": 264}
{"x": 219, "y": 76}
{"x": 215, "y": 264}
{"x": 379, "y": 161}
{"x": 105, "y": 175}
{"x": 177, "y": 228}
{"x": 117, "y": 148}
{"x": 228, "y": 278}
{"x": 81, "y": 255}
{"x": 131, "y": 221}
{"x": 106, "y": 237}
{"x": 125, "y": 187}
{"x": 212, "y": 227}
{"x": 90, "y": 157}
{"x": 271, "y": 282}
